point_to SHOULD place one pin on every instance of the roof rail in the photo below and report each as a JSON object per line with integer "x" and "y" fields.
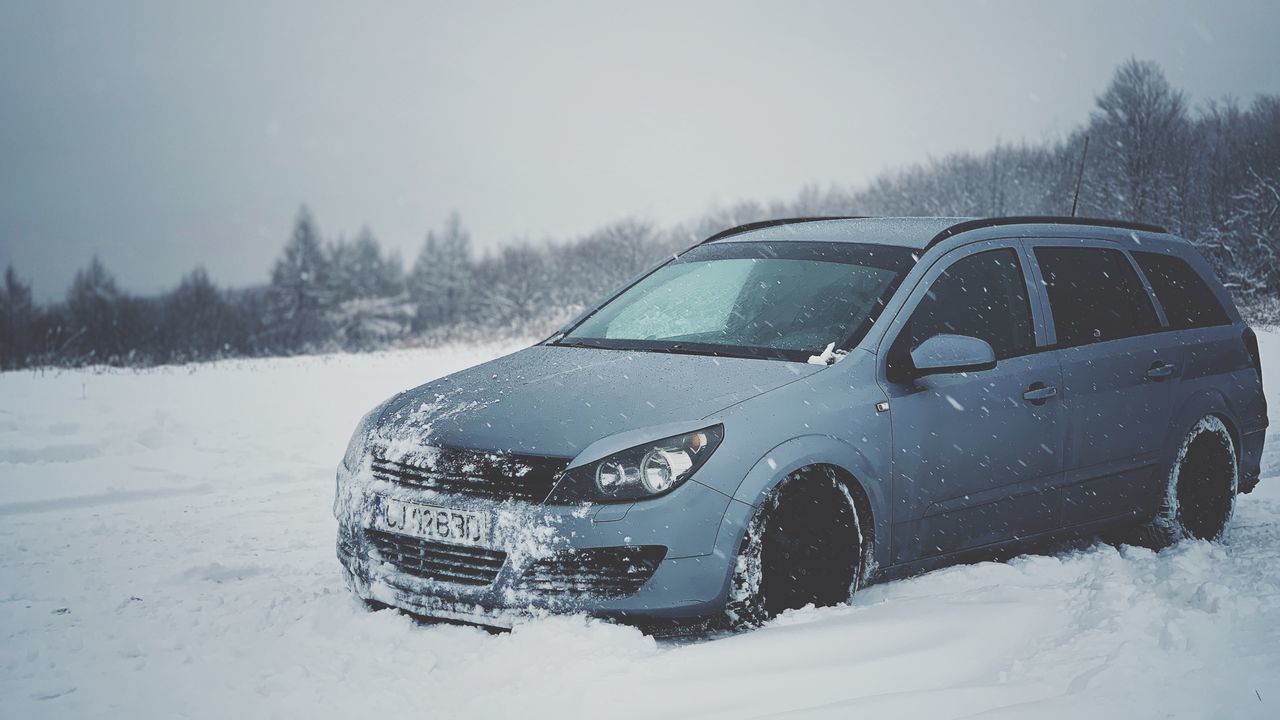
{"x": 979, "y": 223}
{"x": 748, "y": 227}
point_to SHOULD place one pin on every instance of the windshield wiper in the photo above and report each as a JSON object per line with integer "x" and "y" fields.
{"x": 688, "y": 349}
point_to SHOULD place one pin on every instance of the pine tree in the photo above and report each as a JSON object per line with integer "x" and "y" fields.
{"x": 344, "y": 283}
{"x": 94, "y": 312}
{"x": 198, "y": 321}
{"x": 375, "y": 275}
{"x": 441, "y": 279}
{"x": 17, "y": 313}
{"x": 358, "y": 269}
{"x": 301, "y": 290}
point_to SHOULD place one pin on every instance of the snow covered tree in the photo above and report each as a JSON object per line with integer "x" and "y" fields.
{"x": 441, "y": 279}
{"x": 1139, "y": 130}
{"x": 377, "y": 275}
{"x": 368, "y": 323}
{"x": 94, "y": 312}
{"x": 1254, "y": 221}
{"x": 513, "y": 288}
{"x": 198, "y": 321}
{"x": 301, "y": 289}
{"x": 360, "y": 270}
{"x": 17, "y": 313}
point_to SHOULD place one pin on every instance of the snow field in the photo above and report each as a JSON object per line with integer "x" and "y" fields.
{"x": 167, "y": 551}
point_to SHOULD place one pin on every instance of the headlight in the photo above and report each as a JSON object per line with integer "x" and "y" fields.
{"x": 640, "y": 472}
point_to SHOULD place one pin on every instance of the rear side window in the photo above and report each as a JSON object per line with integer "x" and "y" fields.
{"x": 1095, "y": 295}
{"x": 1185, "y": 296}
{"x": 982, "y": 296}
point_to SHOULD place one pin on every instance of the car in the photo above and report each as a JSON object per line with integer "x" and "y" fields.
{"x": 792, "y": 409}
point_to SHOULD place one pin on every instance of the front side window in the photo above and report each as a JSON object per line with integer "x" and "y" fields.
{"x": 982, "y": 296}
{"x": 1185, "y": 296}
{"x": 780, "y": 300}
{"x": 1094, "y": 295}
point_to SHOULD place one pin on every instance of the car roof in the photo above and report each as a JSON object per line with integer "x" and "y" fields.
{"x": 921, "y": 233}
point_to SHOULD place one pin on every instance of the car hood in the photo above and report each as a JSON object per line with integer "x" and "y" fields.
{"x": 554, "y": 401}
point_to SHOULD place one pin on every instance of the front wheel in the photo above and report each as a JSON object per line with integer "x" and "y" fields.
{"x": 1200, "y": 495}
{"x": 803, "y": 547}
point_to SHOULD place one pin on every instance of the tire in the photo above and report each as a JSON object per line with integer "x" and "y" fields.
{"x": 1200, "y": 495}
{"x": 804, "y": 546}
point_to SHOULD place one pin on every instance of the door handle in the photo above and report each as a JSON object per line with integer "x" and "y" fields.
{"x": 1161, "y": 370}
{"x": 1039, "y": 393}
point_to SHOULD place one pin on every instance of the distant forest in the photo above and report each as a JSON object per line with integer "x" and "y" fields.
{"x": 1209, "y": 173}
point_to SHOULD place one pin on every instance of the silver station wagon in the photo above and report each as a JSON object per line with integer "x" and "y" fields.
{"x": 792, "y": 409}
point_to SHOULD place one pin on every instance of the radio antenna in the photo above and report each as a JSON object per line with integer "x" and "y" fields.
{"x": 1080, "y": 175}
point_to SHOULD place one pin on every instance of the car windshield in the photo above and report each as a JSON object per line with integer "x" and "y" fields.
{"x": 778, "y": 300}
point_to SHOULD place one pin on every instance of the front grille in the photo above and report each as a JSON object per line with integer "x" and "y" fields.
{"x": 493, "y": 476}
{"x": 438, "y": 561}
{"x": 601, "y": 572}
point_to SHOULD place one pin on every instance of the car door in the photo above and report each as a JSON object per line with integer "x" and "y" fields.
{"x": 1119, "y": 370}
{"x": 976, "y": 455}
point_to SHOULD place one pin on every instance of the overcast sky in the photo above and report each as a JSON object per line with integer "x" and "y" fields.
{"x": 161, "y": 137}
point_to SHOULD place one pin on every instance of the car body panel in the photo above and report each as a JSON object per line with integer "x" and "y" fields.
{"x": 973, "y": 461}
{"x": 959, "y": 486}
{"x": 1113, "y": 446}
{"x": 556, "y": 401}
{"x": 528, "y": 532}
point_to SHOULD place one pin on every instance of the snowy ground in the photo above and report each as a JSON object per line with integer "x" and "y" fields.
{"x": 166, "y": 550}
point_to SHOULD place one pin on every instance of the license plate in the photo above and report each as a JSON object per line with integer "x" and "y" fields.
{"x": 460, "y": 527}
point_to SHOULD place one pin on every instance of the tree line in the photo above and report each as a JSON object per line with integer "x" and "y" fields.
{"x": 326, "y": 296}
{"x": 1209, "y": 173}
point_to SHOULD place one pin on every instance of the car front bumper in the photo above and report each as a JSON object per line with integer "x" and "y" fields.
{"x": 690, "y": 529}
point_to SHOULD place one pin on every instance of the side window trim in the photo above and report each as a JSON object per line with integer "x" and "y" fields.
{"x": 1165, "y": 325}
{"x": 1046, "y": 333}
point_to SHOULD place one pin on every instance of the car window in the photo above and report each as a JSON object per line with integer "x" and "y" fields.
{"x": 1094, "y": 295}
{"x": 983, "y": 296}
{"x": 785, "y": 300}
{"x": 693, "y": 298}
{"x": 1187, "y": 300}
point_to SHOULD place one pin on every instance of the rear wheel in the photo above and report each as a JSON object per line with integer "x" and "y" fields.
{"x": 804, "y": 546}
{"x": 1200, "y": 496}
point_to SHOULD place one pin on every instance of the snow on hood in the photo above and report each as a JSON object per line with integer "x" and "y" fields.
{"x": 555, "y": 401}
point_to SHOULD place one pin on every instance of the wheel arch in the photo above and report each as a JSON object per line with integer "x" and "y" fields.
{"x": 1192, "y": 410}
{"x": 819, "y": 454}
{"x": 1232, "y": 430}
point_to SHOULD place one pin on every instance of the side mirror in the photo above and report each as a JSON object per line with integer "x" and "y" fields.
{"x": 952, "y": 354}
